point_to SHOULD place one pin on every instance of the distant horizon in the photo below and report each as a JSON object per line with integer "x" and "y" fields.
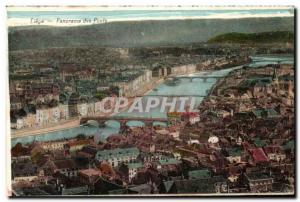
{"x": 39, "y": 16}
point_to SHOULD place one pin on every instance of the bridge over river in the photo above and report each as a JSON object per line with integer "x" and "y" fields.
{"x": 173, "y": 95}
{"x": 122, "y": 120}
{"x": 204, "y": 78}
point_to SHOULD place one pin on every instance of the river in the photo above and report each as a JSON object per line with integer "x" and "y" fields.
{"x": 184, "y": 88}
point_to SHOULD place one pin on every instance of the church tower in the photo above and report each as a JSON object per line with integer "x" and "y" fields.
{"x": 275, "y": 76}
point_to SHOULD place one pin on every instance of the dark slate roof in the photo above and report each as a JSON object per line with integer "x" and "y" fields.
{"x": 142, "y": 189}
{"x": 289, "y": 145}
{"x": 286, "y": 77}
{"x": 268, "y": 113}
{"x": 117, "y": 153}
{"x": 168, "y": 185}
{"x": 65, "y": 164}
{"x": 196, "y": 186}
{"x": 248, "y": 83}
{"x": 24, "y": 169}
{"x": 199, "y": 174}
{"x": 28, "y": 191}
{"x": 75, "y": 190}
{"x": 121, "y": 192}
{"x": 103, "y": 186}
{"x": 235, "y": 151}
{"x": 259, "y": 142}
{"x": 257, "y": 176}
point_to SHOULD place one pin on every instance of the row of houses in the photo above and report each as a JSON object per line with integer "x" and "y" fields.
{"x": 131, "y": 86}
{"x": 45, "y": 115}
{"x": 111, "y": 163}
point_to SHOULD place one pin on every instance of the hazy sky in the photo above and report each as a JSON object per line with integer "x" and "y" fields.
{"x": 62, "y": 16}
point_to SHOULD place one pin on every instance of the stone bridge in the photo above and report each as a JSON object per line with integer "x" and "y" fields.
{"x": 204, "y": 78}
{"x": 174, "y": 95}
{"x": 122, "y": 120}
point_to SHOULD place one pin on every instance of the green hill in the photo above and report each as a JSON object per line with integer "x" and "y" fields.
{"x": 263, "y": 37}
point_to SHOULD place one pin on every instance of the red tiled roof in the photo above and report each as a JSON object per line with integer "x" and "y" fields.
{"x": 90, "y": 172}
{"x": 190, "y": 114}
{"x": 78, "y": 142}
{"x": 259, "y": 155}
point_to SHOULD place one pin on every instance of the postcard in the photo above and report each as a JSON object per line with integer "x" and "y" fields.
{"x": 151, "y": 101}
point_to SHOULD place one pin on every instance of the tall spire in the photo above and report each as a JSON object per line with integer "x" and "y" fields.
{"x": 275, "y": 77}
{"x": 274, "y": 73}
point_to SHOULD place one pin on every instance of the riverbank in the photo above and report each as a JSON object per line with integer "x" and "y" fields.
{"x": 149, "y": 87}
{"x": 68, "y": 124}
{"x": 39, "y": 131}
{"x": 185, "y": 88}
{"x": 143, "y": 90}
